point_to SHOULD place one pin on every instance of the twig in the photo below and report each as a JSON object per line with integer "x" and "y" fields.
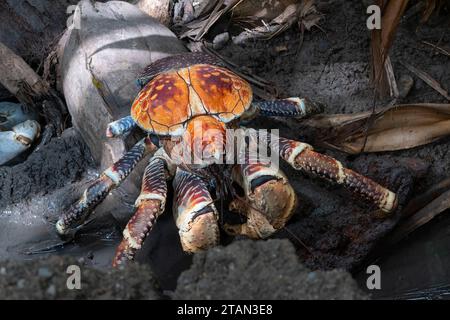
{"x": 425, "y": 198}
{"x": 440, "y": 49}
{"x": 427, "y": 79}
{"x": 423, "y": 216}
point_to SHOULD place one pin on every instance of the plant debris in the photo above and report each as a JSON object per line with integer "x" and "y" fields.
{"x": 421, "y": 217}
{"x": 393, "y": 128}
{"x": 258, "y": 19}
{"x": 427, "y": 79}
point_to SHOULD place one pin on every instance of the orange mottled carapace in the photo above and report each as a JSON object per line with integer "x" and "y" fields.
{"x": 170, "y": 99}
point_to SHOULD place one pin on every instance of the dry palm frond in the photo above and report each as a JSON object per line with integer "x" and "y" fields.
{"x": 393, "y": 128}
{"x": 382, "y": 40}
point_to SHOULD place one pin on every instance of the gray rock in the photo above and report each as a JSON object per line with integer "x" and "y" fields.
{"x": 261, "y": 270}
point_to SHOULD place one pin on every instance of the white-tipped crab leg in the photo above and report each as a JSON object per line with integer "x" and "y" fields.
{"x": 150, "y": 205}
{"x": 302, "y": 157}
{"x": 120, "y": 127}
{"x": 289, "y": 107}
{"x": 194, "y": 211}
{"x": 99, "y": 189}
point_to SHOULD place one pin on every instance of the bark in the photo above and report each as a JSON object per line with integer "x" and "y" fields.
{"x": 30, "y": 27}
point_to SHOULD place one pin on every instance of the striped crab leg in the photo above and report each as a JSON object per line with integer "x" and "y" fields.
{"x": 302, "y": 157}
{"x": 195, "y": 214}
{"x": 289, "y": 107}
{"x": 150, "y": 205}
{"x": 100, "y": 188}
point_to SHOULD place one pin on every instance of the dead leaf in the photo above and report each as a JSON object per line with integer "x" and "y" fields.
{"x": 393, "y": 128}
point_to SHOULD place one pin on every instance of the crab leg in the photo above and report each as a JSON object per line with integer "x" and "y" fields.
{"x": 195, "y": 214}
{"x": 302, "y": 157}
{"x": 269, "y": 204}
{"x": 289, "y": 107}
{"x": 99, "y": 189}
{"x": 150, "y": 204}
{"x": 120, "y": 127}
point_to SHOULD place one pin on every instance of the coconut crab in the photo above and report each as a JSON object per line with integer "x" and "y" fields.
{"x": 181, "y": 96}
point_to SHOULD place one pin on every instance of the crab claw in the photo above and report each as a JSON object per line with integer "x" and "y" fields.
{"x": 195, "y": 214}
{"x": 12, "y": 114}
{"x": 19, "y": 139}
{"x": 269, "y": 204}
{"x": 200, "y": 233}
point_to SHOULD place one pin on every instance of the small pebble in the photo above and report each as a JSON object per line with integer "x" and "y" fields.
{"x": 44, "y": 273}
{"x": 3, "y": 271}
{"x": 21, "y": 283}
{"x": 220, "y": 40}
{"x": 312, "y": 276}
{"x": 405, "y": 85}
{"x": 51, "y": 291}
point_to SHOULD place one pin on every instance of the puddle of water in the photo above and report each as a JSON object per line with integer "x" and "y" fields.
{"x": 29, "y": 226}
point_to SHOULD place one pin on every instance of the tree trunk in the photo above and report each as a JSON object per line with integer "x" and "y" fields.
{"x": 31, "y": 27}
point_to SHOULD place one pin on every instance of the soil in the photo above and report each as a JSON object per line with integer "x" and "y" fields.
{"x": 222, "y": 273}
{"x": 331, "y": 228}
{"x": 261, "y": 270}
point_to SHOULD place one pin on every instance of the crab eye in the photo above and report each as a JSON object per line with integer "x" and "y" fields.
{"x": 155, "y": 140}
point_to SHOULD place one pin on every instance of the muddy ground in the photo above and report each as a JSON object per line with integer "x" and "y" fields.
{"x": 238, "y": 271}
{"x": 331, "y": 228}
